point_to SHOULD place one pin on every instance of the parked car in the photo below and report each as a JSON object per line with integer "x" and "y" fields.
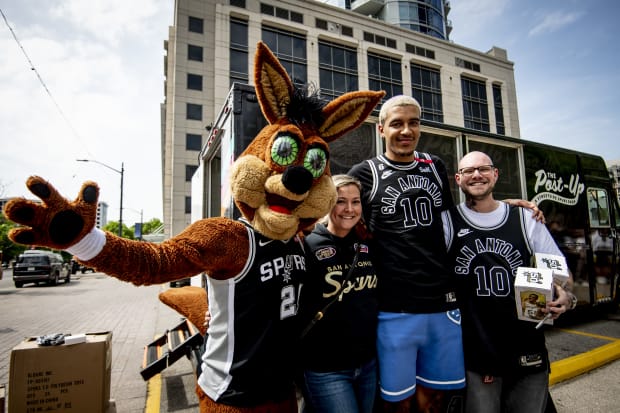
{"x": 85, "y": 269}
{"x": 35, "y": 266}
{"x": 74, "y": 266}
{"x": 181, "y": 283}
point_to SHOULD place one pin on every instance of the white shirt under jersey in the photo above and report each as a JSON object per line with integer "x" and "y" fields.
{"x": 538, "y": 235}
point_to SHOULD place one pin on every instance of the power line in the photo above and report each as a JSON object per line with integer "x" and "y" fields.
{"x": 34, "y": 69}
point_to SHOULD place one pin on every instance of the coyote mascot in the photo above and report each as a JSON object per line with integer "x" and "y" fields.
{"x": 255, "y": 266}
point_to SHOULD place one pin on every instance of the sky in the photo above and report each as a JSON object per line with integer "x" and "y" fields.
{"x": 566, "y": 56}
{"x": 92, "y": 85}
{"x": 95, "y": 94}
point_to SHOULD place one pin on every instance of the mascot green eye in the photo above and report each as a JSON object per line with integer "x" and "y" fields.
{"x": 284, "y": 150}
{"x": 315, "y": 161}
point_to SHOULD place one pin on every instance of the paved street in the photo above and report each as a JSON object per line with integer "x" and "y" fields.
{"x": 91, "y": 302}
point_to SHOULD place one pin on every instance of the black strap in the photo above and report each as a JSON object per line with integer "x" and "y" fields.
{"x": 321, "y": 313}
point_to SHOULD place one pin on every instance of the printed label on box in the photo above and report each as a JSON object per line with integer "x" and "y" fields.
{"x": 556, "y": 263}
{"x": 533, "y": 289}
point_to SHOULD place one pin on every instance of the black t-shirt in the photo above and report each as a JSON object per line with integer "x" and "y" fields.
{"x": 345, "y": 337}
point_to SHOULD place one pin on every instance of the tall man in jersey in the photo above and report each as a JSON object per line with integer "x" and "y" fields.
{"x": 419, "y": 334}
{"x": 505, "y": 358}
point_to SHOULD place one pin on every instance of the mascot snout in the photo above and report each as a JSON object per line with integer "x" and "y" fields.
{"x": 297, "y": 179}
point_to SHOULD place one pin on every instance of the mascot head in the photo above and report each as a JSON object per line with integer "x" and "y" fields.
{"x": 281, "y": 183}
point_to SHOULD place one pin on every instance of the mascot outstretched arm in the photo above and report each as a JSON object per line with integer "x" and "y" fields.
{"x": 256, "y": 266}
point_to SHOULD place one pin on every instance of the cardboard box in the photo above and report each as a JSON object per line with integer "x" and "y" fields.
{"x": 63, "y": 378}
{"x": 533, "y": 289}
{"x": 556, "y": 263}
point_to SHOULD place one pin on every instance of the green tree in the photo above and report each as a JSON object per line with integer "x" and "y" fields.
{"x": 112, "y": 226}
{"x": 9, "y": 249}
{"x": 150, "y": 226}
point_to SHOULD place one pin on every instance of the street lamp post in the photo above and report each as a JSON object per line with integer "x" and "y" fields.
{"x": 122, "y": 172}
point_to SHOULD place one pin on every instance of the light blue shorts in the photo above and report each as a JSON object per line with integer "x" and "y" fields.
{"x": 419, "y": 348}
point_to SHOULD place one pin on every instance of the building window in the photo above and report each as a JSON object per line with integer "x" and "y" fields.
{"x": 267, "y": 9}
{"x": 379, "y": 39}
{"x": 297, "y": 17}
{"x": 188, "y": 204}
{"x": 384, "y": 73}
{"x": 420, "y": 51}
{"x": 499, "y": 109}
{"x": 194, "y": 53}
{"x": 189, "y": 172}
{"x": 238, "y": 3}
{"x": 290, "y": 49}
{"x": 238, "y": 51}
{"x": 475, "y": 109}
{"x": 506, "y": 158}
{"x": 346, "y": 31}
{"x": 421, "y": 16}
{"x": 466, "y": 64}
{"x": 194, "y": 82}
{"x": 320, "y": 24}
{"x": 335, "y": 28}
{"x": 194, "y": 111}
{"x": 281, "y": 13}
{"x": 196, "y": 25}
{"x": 337, "y": 70}
{"x": 193, "y": 142}
{"x": 426, "y": 88}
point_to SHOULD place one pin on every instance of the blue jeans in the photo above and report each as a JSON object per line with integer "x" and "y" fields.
{"x": 344, "y": 391}
{"x": 525, "y": 394}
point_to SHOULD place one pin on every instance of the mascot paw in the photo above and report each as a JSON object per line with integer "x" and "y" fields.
{"x": 56, "y": 222}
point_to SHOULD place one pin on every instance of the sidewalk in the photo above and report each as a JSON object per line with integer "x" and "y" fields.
{"x": 173, "y": 390}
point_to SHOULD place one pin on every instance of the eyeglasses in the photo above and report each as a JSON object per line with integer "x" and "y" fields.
{"x": 484, "y": 170}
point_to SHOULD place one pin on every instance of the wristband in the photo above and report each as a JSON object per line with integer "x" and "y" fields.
{"x": 573, "y": 300}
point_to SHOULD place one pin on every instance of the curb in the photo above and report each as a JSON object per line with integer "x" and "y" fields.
{"x": 570, "y": 367}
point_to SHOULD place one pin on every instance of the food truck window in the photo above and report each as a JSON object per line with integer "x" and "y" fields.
{"x": 506, "y": 159}
{"x": 446, "y": 148}
{"x": 598, "y": 207}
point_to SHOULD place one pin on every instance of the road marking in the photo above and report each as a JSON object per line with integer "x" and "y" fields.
{"x": 153, "y": 394}
{"x": 583, "y": 333}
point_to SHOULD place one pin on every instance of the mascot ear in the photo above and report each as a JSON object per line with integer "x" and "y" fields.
{"x": 273, "y": 86}
{"x": 347, "y": 112}
{"x": 274, "y": 90}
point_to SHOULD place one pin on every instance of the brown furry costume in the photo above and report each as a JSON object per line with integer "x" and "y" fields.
{"x": 277, "y": 196}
